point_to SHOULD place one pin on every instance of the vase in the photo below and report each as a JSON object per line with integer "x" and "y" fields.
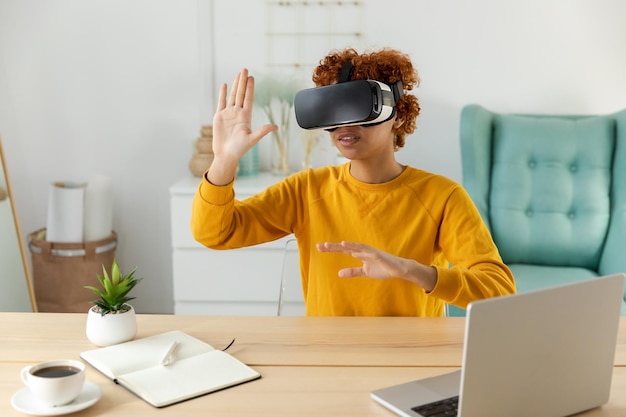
{"x": 202, "y": 152}
{"x": 249, "y": 163}
{"x": 112, "y": 328}
{"x": 279, "y": 157}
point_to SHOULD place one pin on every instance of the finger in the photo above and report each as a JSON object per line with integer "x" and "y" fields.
{"x": 233, "y": 90}
{"x": 353, "y": 246}
{"x": 248, "y": 102}
{"x": 264, "y": 130}
{"x": 359, "y": 250}
{"x": 241, "y": 88}
{"x": 350, "y": 272}
{"x": 330, "y": 247}
{"x": 258, "y": 134}
{"x": 320, "y": 247}
{"x": 221, "y": 104}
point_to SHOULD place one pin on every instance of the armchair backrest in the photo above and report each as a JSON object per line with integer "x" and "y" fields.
{"x": 552, "y": 189}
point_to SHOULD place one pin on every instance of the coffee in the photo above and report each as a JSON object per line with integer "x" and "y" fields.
{"x": 54, "y": 383}
{"x": 56, "y": 371}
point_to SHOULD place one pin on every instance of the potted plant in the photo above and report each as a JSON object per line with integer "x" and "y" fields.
{"x": 112, "y": 320}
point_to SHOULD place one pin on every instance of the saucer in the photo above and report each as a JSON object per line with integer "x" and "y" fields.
{"x": 23, "y": 401}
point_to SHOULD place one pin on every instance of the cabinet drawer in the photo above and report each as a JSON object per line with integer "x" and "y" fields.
{"x": 180, "y": 209}
{"x": 225, "y": 308}
{"x": 248, "y": 274}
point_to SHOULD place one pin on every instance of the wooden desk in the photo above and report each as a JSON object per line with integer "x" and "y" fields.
{"x": 310, "y": 366}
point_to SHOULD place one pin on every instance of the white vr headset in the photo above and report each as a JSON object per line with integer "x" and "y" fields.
{"x": 347, "y": 103}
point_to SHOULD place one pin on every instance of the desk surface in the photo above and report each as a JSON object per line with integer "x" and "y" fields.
{"x": 310, "y": 366}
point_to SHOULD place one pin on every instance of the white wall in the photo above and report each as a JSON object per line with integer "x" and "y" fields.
{"x": 121, "y": 88}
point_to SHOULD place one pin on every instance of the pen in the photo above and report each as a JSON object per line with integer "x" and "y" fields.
{"x": 167, "y": 359}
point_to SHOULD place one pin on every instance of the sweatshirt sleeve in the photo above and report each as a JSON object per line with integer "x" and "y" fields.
{"x": 220, "y": 221}
{"x": 211, "y": 204}
{"x": 476, "y": 269}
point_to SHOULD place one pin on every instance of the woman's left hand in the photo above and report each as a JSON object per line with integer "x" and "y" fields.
{"x": 381, "y": 265}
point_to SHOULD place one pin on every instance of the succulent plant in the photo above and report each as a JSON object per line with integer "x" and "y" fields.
{"x": 114, "y": 292}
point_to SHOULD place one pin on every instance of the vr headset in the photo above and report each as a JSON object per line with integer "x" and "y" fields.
{"x": 347, "y": 103}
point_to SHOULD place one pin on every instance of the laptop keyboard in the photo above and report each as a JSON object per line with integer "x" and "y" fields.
{"x": 442, "y": 408}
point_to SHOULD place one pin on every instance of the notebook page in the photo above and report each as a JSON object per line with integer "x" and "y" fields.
{"x": 188, "y": 378}
{"x": 147, "y": 352}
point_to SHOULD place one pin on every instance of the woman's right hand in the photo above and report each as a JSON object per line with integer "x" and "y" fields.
{"x": 232, "y": 128}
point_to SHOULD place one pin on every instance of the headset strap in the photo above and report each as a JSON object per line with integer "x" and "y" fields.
{"x": 345, "y": 72}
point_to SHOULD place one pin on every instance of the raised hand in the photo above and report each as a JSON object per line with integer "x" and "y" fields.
{"x": 232, "y": 128}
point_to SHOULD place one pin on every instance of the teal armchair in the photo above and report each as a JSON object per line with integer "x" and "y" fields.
{"x": 552, "y": 190}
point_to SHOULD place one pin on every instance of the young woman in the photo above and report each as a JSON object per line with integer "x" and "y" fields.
{"x": 375, "y": 237}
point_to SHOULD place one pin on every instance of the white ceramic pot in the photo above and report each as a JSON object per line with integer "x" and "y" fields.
{"x": 111, "y": 329}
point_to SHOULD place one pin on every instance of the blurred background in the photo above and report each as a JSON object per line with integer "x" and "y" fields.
{"x": 121, "y": 88}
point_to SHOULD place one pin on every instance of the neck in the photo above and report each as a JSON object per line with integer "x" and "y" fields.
{"x": 375, "y": 173}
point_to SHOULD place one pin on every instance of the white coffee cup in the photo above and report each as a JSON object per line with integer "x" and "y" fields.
{"x": 55, "y": 383}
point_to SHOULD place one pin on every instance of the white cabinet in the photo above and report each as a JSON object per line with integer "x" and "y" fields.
{"x": 231, "y": 282}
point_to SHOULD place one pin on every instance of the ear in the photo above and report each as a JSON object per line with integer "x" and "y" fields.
{"x": 397, "y": 123}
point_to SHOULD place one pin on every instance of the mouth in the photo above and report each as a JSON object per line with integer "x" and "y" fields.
{"x": 347, "y": 139}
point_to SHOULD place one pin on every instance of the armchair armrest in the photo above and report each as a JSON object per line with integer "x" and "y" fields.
{"x": 614, "y": 253}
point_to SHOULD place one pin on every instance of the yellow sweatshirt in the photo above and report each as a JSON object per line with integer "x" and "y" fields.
{"x": 417, "y": 215}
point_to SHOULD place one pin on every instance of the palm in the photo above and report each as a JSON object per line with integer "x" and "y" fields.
{"x": 376, "y": 263}
{"x": 377, "y": 269}
{"x": 231, "y": 132}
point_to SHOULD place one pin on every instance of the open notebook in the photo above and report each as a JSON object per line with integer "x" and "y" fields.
{"x": 195, "y": 368}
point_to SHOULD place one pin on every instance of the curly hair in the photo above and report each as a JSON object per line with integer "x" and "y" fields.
{"x": 387, "y": 66}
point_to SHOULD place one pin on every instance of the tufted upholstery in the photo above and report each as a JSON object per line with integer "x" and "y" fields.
{"x": 552, "y": 190}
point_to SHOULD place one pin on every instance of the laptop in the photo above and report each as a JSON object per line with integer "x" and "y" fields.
{"x": 543, "y": 353}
